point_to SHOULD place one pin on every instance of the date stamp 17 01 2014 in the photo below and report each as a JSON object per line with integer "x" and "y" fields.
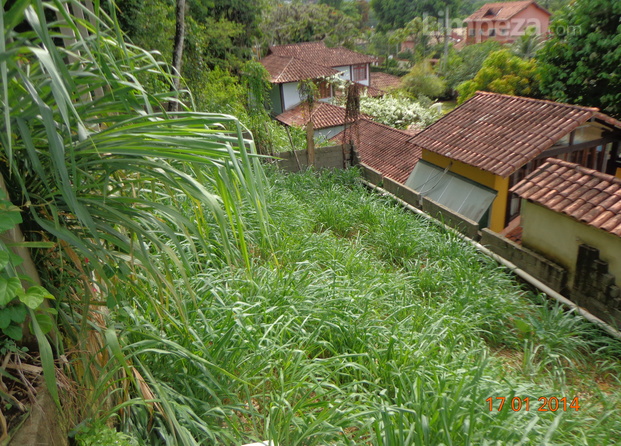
{"x": 541, "y": 404}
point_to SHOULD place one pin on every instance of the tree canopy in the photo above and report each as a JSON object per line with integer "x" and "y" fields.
{"x": 219, "y": 33}
{"x": 393, "y": 14}
{"x": 464, "y": 65}
{"x": 422, "y": 81}
{"x": 503, "y": 72}
{"x": 299, "y": 22}
{"x": 581, "y": 63}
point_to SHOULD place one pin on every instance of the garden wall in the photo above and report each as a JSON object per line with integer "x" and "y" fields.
{"x": 548, "y": 272}
{"x": 332, "y": 157}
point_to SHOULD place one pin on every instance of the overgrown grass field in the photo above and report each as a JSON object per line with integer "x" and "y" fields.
{"x": 367, "y": 325}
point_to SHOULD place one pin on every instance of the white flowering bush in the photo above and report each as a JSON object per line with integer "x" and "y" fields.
{"x": 399, "y": 111}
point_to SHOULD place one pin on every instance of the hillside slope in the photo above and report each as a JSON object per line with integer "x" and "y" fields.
{"x": 368, "y": 325}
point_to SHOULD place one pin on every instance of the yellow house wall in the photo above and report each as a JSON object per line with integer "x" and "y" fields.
{"x": 618, "y": 175}
{"x": 557, "y": 236}
{"x": 499, "y": 184}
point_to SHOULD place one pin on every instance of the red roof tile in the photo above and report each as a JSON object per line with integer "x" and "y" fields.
{"x": 515, "y": 235}
{"x": 501, "y": 10}
{"x": 384, "y": 149}
{"x": 318, "y": 53}
{"x": 384, "y": 81}
{"x": 324, "y": 115}
{"x": 596, "y": 202}
{"x": 500, "y": 133}
{"x": 290, "y": 69}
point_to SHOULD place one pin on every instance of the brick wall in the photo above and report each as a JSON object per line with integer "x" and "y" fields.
{"x": 595, "y": 287}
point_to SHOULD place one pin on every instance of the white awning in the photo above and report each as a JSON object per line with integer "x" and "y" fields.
{"x": 461, "y": 195}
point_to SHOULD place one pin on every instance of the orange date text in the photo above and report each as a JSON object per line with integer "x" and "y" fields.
{"x": 541, "y": 404}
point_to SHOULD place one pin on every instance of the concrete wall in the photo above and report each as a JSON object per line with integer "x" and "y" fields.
{"x": 591, "y": 257}
{"x": 325, "y": 158}
{"x": 464, "y": 225}
{"x": 530, "y": 17}
{"x": 550, "y": 273}
{"x": 553, "y": 275}
{"x": 436, "y": 210}
{"x": 594, "y": 287}
{"x": 597, "y": 289}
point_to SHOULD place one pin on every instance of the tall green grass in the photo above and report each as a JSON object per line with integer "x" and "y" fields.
{"x": 189, "y": 317}
{"x": 101, "y": 172}
{"x": 364, "y": 325}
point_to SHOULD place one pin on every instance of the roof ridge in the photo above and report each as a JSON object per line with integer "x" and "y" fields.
{"x": 523, "y": 3}
{"x": 299, "y": 44}
{"x": 285, "y": 67}
{"x": 594, "y": 110}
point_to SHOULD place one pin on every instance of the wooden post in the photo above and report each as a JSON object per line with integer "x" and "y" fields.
{"x": 310, "y": 143}
{"x": 177, "y": 55}
{"x": 611, "y": 167}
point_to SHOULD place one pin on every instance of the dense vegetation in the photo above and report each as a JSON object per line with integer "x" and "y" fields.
{"x": 97, "y": 171}
{"x": 187, "y": 315}
{"x": 367, "y": 325}
{"x": 580, "y": 63}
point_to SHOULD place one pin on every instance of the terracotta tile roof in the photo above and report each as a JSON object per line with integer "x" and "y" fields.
{"x": 385, "y": 149}
{"x": 500, "y": 11}
{"x": 324, "y": 115}
{"x": 318, "y": 53}
{"x": 499, "y": 133}
{"x": 515, "y": 235}
{"x": 384, "y": 81}
{"x": 585, "y": 194}
{"x": 290, "y": 69}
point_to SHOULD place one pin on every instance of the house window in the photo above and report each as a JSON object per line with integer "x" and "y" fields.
{"x": 492, "y": 32}
{"x": 471, "y": 32}
{"x": 360, "y": 72}
{"x": 323, "y": 90}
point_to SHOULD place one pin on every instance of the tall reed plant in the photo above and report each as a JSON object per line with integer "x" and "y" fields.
{"x": 99, "y": 168}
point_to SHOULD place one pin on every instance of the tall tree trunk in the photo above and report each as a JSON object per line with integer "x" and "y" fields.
{"x": 178, "y": 50}
{"x": 446, "y": 38}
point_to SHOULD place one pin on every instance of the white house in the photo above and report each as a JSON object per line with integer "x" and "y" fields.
{"x": 290, "y": 64}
